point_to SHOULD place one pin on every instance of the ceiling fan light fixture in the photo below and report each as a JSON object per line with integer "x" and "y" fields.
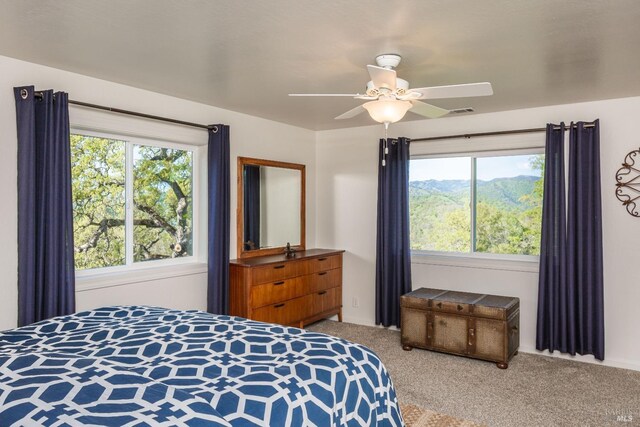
{"x": 387, "y": 111}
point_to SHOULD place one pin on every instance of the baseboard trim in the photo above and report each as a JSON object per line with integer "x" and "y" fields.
{"x": 613, "y": 363}
{"x": 610, "y": 362}
{"x": 366, "y": 322}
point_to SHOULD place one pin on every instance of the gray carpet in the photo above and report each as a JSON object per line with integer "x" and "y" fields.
{"x": 534, "y": 391}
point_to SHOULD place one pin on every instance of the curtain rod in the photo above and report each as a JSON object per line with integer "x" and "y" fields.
{"x": 136, "y": 114}
{"x": 502, "y": 132}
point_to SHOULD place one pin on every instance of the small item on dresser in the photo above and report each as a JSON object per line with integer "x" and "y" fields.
{"x": 289, "y": 252}
{"x": 285, "y": 290}
{"x": 474, "y": 325}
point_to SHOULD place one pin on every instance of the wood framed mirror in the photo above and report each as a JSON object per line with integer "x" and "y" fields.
{"x": 271, "y": 207}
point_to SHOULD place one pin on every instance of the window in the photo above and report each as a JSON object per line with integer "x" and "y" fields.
{"x": 132, "y": 201}
{"x": 477, "y": 204}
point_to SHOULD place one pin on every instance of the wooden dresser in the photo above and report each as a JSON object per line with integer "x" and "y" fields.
{"x": 474, "y": 325}
{"x": 289, "y": 291}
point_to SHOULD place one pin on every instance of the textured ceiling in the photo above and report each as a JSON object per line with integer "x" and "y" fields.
{"x": 248, "y": 55}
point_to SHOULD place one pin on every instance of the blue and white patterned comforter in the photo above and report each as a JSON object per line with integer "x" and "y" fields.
{"x": 125, "y": 366}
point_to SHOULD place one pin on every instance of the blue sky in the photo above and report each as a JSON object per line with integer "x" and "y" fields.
{"x": 460, "y": 168}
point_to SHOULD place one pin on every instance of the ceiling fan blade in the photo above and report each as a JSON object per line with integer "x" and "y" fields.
{"x": 382, "y": 77}
{"x": 455, "y": 91}
{"x": 351, "y": 113}
{"x": 353, "y": 95}
{"x": 427, "y": 110}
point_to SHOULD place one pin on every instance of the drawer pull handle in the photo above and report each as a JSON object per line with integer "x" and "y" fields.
{"x": 322, "y": 274}
{"x": 278, "y": 305}
{"x": 322, "y": 259}
{"x": 322, "y": 293}
{"x": 460, "y": 307}
{"x": 277, "y": 267}
{"x": 514, "y": 329}
{"x": 278, "y": 283}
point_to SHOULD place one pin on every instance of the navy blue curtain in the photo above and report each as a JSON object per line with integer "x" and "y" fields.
{"x": 46, "y": 275}
{"x": 552, "y": 281}
{"x": 393, "y": 256}
{"x": 219, "y": 217}
{"x": 584, "y": 242}
{"x": 251, "y": 203}
{"x": 570, "y": 288}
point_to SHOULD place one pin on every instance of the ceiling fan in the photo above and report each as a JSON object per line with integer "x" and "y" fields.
{"x": 389, "y": 97}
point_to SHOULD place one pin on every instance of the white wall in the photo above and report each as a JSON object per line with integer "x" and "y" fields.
{"x": 250, "y": 136}
{"x": 343, "y": 166}
{"x": 346, "y": 178}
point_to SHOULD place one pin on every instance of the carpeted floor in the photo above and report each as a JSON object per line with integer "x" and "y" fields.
{"x": 534, "y": 391}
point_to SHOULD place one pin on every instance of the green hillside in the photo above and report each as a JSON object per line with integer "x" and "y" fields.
{"x": 508, "y": 215}
{"x": 501, "y": 191}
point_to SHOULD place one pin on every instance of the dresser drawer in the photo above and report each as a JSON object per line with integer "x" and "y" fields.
{"x": 323, "y": 280}
{"x": 288, "y": 291}
{"x": 450, "y": 307}
{"x": 315, "y": 265}
{"x": 274, "y": 292}
{"x": 275, "y": 272}
{"x": 327, "y": 299}
{"x": 285, "y": 313}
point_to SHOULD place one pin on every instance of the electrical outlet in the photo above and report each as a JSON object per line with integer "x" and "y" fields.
{"x": 355, "y": 303}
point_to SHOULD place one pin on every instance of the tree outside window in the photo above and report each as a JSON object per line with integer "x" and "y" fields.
{"x": 109, "y": 175}
{"x": 477, "y": 204}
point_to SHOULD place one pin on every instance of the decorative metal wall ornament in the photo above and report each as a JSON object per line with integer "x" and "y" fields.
{"x": 628, "y": 183}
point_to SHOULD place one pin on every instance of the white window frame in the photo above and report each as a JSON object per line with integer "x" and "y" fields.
{"x": 130, "y": 265}
{"x": 472, "y": 254}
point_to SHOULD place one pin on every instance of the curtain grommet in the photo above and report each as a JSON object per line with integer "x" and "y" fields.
{"x": 24, "y": 93}
{"x": 214, "y": 129}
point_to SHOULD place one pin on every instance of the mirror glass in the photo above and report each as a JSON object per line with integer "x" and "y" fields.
{"x": 271, "y": 206}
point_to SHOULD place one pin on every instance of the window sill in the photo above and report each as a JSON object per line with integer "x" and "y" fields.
{"x": 106, "y": 280}
{"x": 526, "y": 264}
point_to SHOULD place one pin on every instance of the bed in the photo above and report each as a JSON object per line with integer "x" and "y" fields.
{"x": 138, "y": 365}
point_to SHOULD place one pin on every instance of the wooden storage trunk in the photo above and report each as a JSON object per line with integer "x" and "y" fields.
{"x": 463, "y": 323}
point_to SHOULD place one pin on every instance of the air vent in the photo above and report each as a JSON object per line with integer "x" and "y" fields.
{"x": 461, "y": 110}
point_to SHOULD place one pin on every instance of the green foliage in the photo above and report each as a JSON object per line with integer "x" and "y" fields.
{"x": 439, "y": 221}
{"x": 456, "y": 234}
{"x": 508, "y": 214}
{"x": 98, "y": 174}
{"x": 162, "y": 195}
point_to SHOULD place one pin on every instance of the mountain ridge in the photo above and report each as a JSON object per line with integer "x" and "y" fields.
{"x": 504, "y": 192}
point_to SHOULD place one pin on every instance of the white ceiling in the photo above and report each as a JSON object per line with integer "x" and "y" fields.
{"x": 248, "y": 55}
